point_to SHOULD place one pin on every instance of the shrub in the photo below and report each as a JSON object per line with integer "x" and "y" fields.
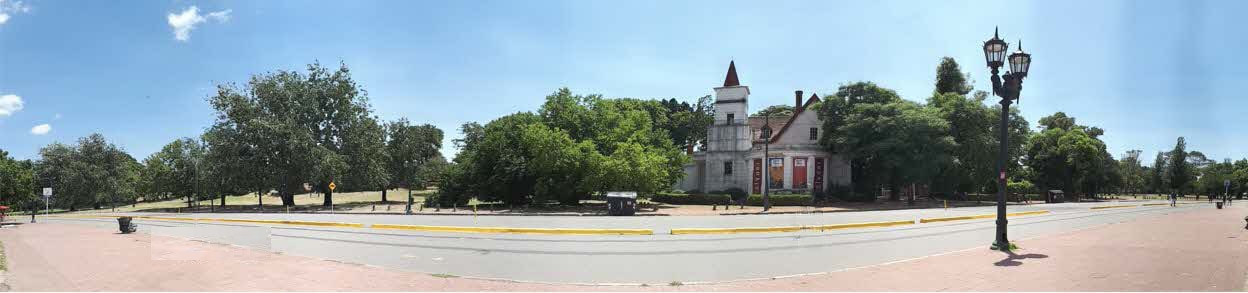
{"x": 737, "y": 194}
{"x": 781, "y": 200}
{"x": 696, "y": 199}
{"x": 847, "y": 193}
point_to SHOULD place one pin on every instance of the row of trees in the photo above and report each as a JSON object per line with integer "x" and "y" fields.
{"x": 1186, "y": 172}
{"x": 279, "y": 132}
{"x": 575, "y": 146}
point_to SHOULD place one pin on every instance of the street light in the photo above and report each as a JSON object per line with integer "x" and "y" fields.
{"x": 1020, "y": 63}
{"x": 766, "y": 161}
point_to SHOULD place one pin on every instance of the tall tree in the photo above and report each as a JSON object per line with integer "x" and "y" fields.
{"x": 17, "y": 181}
{"x": 950, "y": 78}
{"x": 1180, "y": 169}
{"x": 410, "y": 147}
{"x": 304, "y": 128}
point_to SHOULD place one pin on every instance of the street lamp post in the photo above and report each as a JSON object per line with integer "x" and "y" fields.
{"x": 1020, "y": 62}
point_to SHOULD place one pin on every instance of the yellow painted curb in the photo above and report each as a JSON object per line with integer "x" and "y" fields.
{"x": 1113, "y": 207}
{"x": 506, "y": 230}
{"x": 859, "y": 225}
{"x": 686, "y": 231}
{"x": 984, "y": 216}
{"x": 1154, "y": 204}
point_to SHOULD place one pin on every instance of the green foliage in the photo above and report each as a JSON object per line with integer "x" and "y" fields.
{"x": 412, "y": 153}
{"x": 950, "y": 78}
{"x": 17, "y": 185}
{"x": 778, "y": 200}
{"x": 573, "y": 147}
{"x": 899, "y": 142}
{"x": 775, "y": 110}
{"x": 91, "y": 173}
{"x": 177, "y": 170}
{"x": 1179, "y": 171}
{"x": 691, "y": 199}
{"x": 1066, "y": 156}
{"x": 970, "y": 125}
{"x": 296, "y": 128}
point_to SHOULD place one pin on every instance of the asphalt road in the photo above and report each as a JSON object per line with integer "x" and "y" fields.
{"x": 652, "y": 259}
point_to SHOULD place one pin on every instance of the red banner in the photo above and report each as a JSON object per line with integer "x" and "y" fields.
{"x": 799, "y": 173}
{"x": 758, "y": 176}
{"x": 818, "y": 174}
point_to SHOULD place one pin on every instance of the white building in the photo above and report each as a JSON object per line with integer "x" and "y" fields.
{"x": 735, "y": 143}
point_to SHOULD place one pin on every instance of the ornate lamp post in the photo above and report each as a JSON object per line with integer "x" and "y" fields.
{"x": 1020, "y": 62}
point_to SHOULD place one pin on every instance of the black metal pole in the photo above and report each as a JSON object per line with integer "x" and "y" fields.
{"x": 1002, "y": 242}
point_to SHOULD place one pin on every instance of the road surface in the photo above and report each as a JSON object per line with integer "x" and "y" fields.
{"x": 649, "y": 259}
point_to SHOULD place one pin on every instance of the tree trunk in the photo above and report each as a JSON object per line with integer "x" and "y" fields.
{"x": 383, "y": 195}
{"x": 260, "y": 197}
{"x": 223, "y": 200}
{"x": 188, "y": 201}
{"x": 288, "y": 198}
{"x": 329, "y": 198}
{"x": 893, "y": 193}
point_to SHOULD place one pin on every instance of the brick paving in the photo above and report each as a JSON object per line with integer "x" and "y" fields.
{"x": 1199, "y": 250}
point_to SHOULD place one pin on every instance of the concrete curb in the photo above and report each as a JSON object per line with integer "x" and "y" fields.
{"x": 1114, "y": 207}
{"x": 984, "y": 216}
{"x": 506, "y": 230}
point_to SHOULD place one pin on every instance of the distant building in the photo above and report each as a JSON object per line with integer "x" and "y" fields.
{"x": 734, "y": 148}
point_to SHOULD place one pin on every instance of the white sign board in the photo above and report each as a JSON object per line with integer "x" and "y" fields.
{"x": 47, "y": 192}
{"x": 624, "y": 194}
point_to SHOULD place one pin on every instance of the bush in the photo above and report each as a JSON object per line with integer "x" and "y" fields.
{"x": 696, "y": 199}
{"x": 847, "y": 193}
{"x": 737, "y": 194}
{"x": 781, "y": 200}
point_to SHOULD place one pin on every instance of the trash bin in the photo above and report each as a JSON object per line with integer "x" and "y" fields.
{"x": 126, "y": 225}
{"x": 621, "y": 203}
{"x": 1219, "y": 205}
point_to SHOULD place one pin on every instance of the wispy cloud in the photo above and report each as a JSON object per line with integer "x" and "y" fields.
{"x": 10, "y": 104}
{"x": 41, "y": 129}
{"x": 183, "y": 23}
{"x": 10, "y": 7}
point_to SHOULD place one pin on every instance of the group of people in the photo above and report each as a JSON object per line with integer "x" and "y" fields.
{"x": 1174, "y": 199}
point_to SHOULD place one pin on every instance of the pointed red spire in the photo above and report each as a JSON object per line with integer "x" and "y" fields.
{"x": 731, "y": 79}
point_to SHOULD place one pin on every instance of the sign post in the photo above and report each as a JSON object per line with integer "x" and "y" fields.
{"x": 1226, "y": 195}
{"x": 47, "y": 195}
{"x": 331, "y": 190}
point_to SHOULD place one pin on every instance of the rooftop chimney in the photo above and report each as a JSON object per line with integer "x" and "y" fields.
{"x": 797, "y": 101}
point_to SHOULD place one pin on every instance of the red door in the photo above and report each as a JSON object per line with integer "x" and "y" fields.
{"x": 799, "y": 173}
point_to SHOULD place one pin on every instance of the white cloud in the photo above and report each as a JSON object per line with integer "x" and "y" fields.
{"x": 183, "y": 23}
{"x": 41, "y": 129}
{"x": 10, "y": 104}
{"x": 10, "y": 7}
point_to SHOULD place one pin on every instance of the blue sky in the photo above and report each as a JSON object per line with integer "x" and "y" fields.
{"x": 1145, "y": 71}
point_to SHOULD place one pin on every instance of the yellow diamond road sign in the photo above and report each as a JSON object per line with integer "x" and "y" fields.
{"x": 332, "y": 186}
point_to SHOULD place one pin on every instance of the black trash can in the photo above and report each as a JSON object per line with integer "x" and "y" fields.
{"x": 621, "y": 203}
{"x": 1219, "y": 205}
{"x": 126, "y": 225}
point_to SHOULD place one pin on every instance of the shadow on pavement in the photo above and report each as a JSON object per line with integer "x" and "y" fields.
{"x": 1012, "y": 259}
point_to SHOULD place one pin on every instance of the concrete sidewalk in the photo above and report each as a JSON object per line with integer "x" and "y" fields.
{"x": 1196, "y": 250}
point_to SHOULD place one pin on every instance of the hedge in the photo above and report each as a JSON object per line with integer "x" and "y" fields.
{"x": 781, "y": 200}
{"x": 694, "y": 199}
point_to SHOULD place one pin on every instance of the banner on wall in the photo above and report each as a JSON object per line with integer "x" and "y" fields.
{"x": 799, "y": 173}
{"x": 775, "y": 172}
{"x": 758, "y": 176}
{"x": 819, "y": 174}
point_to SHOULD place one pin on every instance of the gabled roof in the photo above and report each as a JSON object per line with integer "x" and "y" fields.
{"x": 796, "y": 112}
{"x": 731, "y": 79}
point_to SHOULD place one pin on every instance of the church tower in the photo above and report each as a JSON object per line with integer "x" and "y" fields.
{"x": 728, "y": 138}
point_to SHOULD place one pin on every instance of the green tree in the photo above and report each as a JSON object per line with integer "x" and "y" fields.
{"x": 950, "y": 78}
{"x": 970, "y": 125}
{"x": 774, "y": 111}
{"x": 17, "y": 181}
{"x": 410, "y": 147}
{"x": 1070, "y": 157}
{"x": 1180, "y": 169}
{"x": 900, "y": 142}
{"x": 834, "y": 113}
{"x": 302, "y": 128}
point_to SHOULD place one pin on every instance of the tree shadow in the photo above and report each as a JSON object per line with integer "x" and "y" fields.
{"x": 1012, "y": 259}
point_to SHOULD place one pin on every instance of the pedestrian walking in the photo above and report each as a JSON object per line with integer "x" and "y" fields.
{"x": 1173, "y": 199}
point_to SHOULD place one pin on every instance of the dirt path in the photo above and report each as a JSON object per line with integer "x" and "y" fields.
{"x": 1201, "y": 250}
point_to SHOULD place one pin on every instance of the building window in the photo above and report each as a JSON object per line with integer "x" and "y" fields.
{"x": 728, "y": 166}
{"x": 730, "y": 118}
{"x": 814, "y": 133}
{"x": 766, "y": 133}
